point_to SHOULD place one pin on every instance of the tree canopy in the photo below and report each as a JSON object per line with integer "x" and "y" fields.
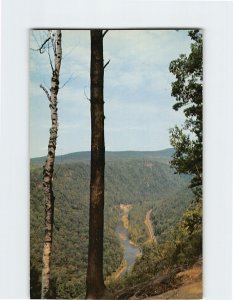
{"x": 187, "y": 90}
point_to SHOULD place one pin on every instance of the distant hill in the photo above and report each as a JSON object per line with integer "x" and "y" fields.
{"x": 161, "y": 155}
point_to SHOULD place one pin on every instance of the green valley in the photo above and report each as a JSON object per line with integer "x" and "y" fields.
{"x": 141, "y": 179}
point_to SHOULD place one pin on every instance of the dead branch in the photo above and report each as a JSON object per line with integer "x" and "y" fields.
{"x": 67, "y": 81}
{"x": 41, "y": 48}
{"x": 86, "y": 95}
{"x": 106, "y": 64}
{"x": 159, "y": 284}
{"x": 50, "y": 60}
{"x": 105, "y": 33}
{"x": 38, "y": 44}
{"x": 46, "y": 92}
{"x": 69, "y": 52}
{"x": 53, "y": 42}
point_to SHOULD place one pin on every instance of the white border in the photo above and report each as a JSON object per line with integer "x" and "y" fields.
{"x": 17, "y": 18}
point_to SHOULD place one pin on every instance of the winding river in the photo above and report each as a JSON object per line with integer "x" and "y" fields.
{"x": 130, "y": 251}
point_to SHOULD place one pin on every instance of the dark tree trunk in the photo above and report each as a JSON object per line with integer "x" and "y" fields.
{"x": 48, "y": 172}
{"x": 95, "y": 280}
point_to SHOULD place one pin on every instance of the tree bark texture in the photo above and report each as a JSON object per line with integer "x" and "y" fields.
{"x": 95, "y": 280}
{"x": 48, "y": 171}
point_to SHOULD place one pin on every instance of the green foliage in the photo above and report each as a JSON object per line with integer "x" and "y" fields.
{"x": 137, "y": 229}
{"x": 181, "y": 248}
{"x": 69, "y": 257}
{"x": 168, "y": 211}
{"x": 188, "y": 237}
{"x": 187, "y": 89}
{"x": 144, "y": 184}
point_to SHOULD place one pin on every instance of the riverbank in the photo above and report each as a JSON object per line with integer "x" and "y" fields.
{"x": 115, "y": 275}
{"x": 125, "y": 217}
{"x": 149, "y": 228}
{"x": 131, "y": 250}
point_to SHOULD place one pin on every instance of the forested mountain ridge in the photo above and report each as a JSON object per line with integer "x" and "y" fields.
{"x": 144, "y": 183}
{"x": 161, "y": 155}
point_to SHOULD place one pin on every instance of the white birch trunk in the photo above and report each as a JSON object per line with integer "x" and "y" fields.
{"x": 48, "y": 172}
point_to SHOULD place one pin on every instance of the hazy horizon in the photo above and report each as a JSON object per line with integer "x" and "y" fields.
{"x": 85, "y": 151}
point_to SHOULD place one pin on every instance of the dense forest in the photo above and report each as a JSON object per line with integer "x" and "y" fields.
{"x": 140, "y": 180}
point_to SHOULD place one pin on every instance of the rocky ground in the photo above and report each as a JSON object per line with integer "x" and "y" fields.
{"x": 190, "y": 285}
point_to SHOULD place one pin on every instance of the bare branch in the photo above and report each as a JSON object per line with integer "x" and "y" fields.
{"x": 40, "y": 49}
{"x": 46, "y": 92}
{"x": 53, "y": 39}
{"x": 104, "y": 33}
{"x": 69, "y": 52}
{"x": 106, "y": 64}
{"x": 67, "y": 81}
{"x": 50, "y": 60}
{"x": 34, "y": 37}
{"x": 86, "y": 95}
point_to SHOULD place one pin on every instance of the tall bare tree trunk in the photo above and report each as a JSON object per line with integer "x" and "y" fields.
{"x": 95, "y": 281}
{"x": 48, "y": 170}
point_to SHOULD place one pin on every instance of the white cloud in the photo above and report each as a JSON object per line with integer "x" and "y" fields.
{"x": 138, "y": 105}
{"x": 140, "y": 59}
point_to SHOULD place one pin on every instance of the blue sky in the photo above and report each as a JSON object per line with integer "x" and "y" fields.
{"x": 137, "y": 90}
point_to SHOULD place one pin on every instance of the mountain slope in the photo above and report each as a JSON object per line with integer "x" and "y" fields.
{"x": 143, "y": 183}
